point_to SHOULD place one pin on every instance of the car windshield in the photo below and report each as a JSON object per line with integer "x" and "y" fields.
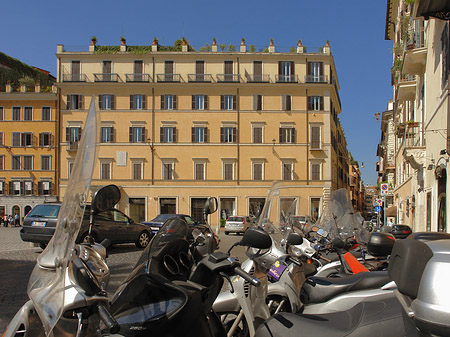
{"x": 235, "y": 218}
{"x": 44, "y": 211}
{"x": 163, "y": 217}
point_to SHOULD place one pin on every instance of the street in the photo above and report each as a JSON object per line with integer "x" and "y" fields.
{"x": 18, "y": 258}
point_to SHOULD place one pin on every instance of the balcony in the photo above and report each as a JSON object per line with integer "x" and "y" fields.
{"x": 137, "y": 77}
{"x": 200, "y": 78}
{"x": 73, "y": 146}
{"x": 407, "y": 88}
{"x": 74, "y": 78}
{"x": 415, "y": 50}
{"x": 168, "y": 78}
{"x": 228, "y": 78}
{"x": 316, "y": 79}
{"x": 106, "y": 77}
{"x": 258, "y": 78}
{"x": 286, "y": 78}
{"x": 412, "y": 136}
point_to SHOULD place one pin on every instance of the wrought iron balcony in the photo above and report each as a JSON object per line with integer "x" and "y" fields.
{"x": 74, "y": 78}
{"x": 106, "y": 77}
{"x": 286, "y": 78}
{"x": 170, "y": 78}
{"x": 73, "y": 146}
{"x": 137, "y": 77}
{"x": 231, "y": 78}
{"x": 200, "y": 78}
{"x": 258, "y": 78}
{"x": 412, "y": 136}
{"x": 316, "y": 79}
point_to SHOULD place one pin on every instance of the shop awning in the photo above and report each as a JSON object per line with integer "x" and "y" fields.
{"x": 392, "y": 211}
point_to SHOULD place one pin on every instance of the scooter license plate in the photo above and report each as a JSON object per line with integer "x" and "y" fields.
{"x": 277, "y": 270}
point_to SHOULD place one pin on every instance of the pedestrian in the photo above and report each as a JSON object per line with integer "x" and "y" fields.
{"x": 16, "y": 220}
{"x": 11, "y": 221}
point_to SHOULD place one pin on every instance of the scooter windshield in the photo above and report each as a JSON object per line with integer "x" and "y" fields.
{"x": 48, "y": 279}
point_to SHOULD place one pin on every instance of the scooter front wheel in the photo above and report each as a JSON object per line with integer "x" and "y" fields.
{"x": 234, "y": 324}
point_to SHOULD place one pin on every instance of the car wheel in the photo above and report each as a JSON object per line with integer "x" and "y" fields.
{"x": 143, "y": 240}
{"x": 42, "y": 245}
{"x": 226, "y": 233}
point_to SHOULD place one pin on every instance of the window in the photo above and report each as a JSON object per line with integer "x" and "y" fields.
{"x": 2, "y": 162}
{"x": 228, "y": 102}
{"x": 74, "y": 102}
{"x": 137, "y": 102}
{"x": 228, "y": 134}
{"x": 199, "y": 134}
{"x": 2, "y": 135}
{"x": 28, "y": 113}
{"x": 73, "y": 136}
{"x": 16, "y": 138}
{"x": 287, "y": 135}
{"x": 137, "y": 134}
{"x": 168, "y": 134}
{"x": 27, "y": 139}
{"x": 46, "y": 163}
{"x": 445, "y": 46}
{"x": 315, "y": 103}
{"x": 315, "y": 137}
{"x": 16, "y": 113}
{"x": 315, "y": 208}
{"x": 27, "y": 163}
{"x": 288, "y": 170}
{"x": 45, "y": 139}
{"x": 286, "y": 102}
{"x": 138, "y": 70}
{"x": 168, "y": 170}
{"x": 107, "y": 134}
{"x": 257, "y": 170}
{"x": 76, "y": 71}
{"x": 168, "y": 102}
{"x": 257, "y": 102}
{"x": 106, "y": 102}
{"x": 46, "y": 113}
{"x": 70, "y": 164}
{"x": 107, "y": 70}
{"x": 199, "y": 102}
{"x": 16, "y": 188}
{"x": 28, "y": 187}
{"x": 315, "y": 171}
{"x": 105, "y": 170}
{"x": 44, "y": 187}
{"x": 314, "y": 72}
{"x": 199, "y": 170}
{"x": 2, "y": 187}
{"x": 257, "y": 134}
{"x": 136, "y": 167}
{"x": 228, "y": 171}
{"x": 2, "y": 113}
{"x": 16, "y": 163}
{"x": 286, "y": 71}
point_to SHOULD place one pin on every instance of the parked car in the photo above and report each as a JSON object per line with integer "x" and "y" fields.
{"x": 156, "y": 223}
{"x": 399, "y": 231}
{"x": 39, "y": 227}
{"x": 238, "y": 224}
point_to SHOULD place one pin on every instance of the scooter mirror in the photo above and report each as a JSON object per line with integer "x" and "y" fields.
{"x": 105, "y": 198}
{"x": 294, "y": 239}
{"x": 210, "y": 205}
{"x": 256, "y": 238}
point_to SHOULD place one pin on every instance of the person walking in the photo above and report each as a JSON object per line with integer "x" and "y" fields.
{"x": 17, "y": 220}
{"x": 11, "y": 221}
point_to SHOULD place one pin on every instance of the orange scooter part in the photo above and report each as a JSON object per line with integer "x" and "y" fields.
{"x": 355, "y": 266}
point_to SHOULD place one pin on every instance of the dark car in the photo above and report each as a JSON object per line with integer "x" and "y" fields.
{"x": 39, "y": 226}
{"x": 399, "y": 231}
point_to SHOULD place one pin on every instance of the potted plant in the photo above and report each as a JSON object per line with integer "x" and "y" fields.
{"x": 123, "y": 40}
{"x": 214, "y": 42}
{"x": 155, "y": 41}
{"x": 412, "y": 124}
{"x": 271, "y": 42}
{"x": 242, "y": 42}
{"x": 93, "y": 40}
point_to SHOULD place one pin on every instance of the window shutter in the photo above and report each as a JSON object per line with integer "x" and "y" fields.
{"x": 288, "y": 102}
{"x": 309, "y": 103}
{"x": 144, "y": 102}
{"x": 10, "y": 185}
{"x": 293, "y": 135}
{"x": 39, "y": 187}
{"x": 163, "y": 107}
{"x": 100, "y": 102}
{"x": 283, "y": 102}
{"x": 193, "y": 102}
{"x": 80, "y": 101}
{"x": 292, "y": 68}
{"x": 281, "y": 135}
{"x": 255, "y": 103}
{"x": 320, "y": 68}
{"x": 41, "y": 142}
{"x": 22, "y": 188}
{"x": 222, "y": 102}
{"x": 206, "y": 102}
{"x": 144, "y": 135}
{"x": 234, "y": 135}
{"x": 222, "y": 135}
{"x": 67, "y": 134}
{"x": 79, "y": 134}
{"x": 51, "y": 140}
{"x": 50, "y": 188}
{"x": 69, "y": 101}
{"x": 321, "y": 103}
{"x": 131, "y": 102}
{"x": 161, "y": 134}
{"x": 131, "y": 134}
{"x": 174, "y": 130}
{"x": 234, "y": 102}
{"x": 193, "y": 134}
{"x": 280, "y": 67}
{"x": 174, "y": 102}
{"x": 308, "y": 68}
{"x": 113, "y": 102}
{"x": 112, "y": 134}
{"x": 206, "y": 134}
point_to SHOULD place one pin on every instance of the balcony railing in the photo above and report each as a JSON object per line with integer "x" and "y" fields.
{"x": 200, "y": 78}
{"x": 73, "y": 146}
{"x": 412, "y": 135}
{"x": 316, "y": 79}
{"x": 137, "y": 77}
{"x": 232, "y": 78}
{"x": 170, "y": 78}
{"x": 258, "y": 78}
{"x": 407, "y": 78}
{"x": 106, "y": 77}
{"x": 286, "y": 78}
{"x": 74, "y": 78}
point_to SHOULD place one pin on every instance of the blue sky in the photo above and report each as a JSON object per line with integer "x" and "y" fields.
{"x": 32, "y": 29}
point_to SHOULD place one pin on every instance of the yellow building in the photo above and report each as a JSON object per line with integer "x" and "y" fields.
{"x": 180, "y": 126}
{"x": 28, "y": 143}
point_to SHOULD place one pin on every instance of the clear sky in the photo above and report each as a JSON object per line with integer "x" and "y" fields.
{"x": 32, "y": 29}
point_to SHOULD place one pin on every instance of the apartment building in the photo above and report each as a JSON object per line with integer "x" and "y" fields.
{"x": 28, "y": 149}
{"x": 180, "y": 126}
{"x": 419, "y": 31}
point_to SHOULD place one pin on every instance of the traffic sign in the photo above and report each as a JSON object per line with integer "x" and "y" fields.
{"x": 380, "y": 202}
{"x": 378, "y": 209}
{"x": 384, "y": 188}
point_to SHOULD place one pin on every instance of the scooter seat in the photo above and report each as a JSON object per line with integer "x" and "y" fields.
{"x": 321, "y": 289}
{"x": 378, "y": 318}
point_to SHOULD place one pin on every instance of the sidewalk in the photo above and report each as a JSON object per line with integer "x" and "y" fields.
{"x": 10, "y": 240}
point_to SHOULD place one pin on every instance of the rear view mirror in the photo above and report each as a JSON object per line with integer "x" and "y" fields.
{"x": 210, "y": 205}
{"x": 105, "y": 198}
{"x": 294, "y": 239}
{"x": 256, "y": 238}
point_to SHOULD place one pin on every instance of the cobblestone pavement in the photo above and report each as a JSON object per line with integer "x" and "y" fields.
{"x": 18, "y": 258}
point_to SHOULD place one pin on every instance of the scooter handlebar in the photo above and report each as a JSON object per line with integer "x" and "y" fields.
{"x": 246, "y": 276}
{"x": 108, "y": 319}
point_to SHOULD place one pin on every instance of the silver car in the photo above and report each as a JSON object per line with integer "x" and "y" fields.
{"x": 238, "y": 224}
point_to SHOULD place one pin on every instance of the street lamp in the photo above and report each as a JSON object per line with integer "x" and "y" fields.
{"x": 377, "y": 116}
